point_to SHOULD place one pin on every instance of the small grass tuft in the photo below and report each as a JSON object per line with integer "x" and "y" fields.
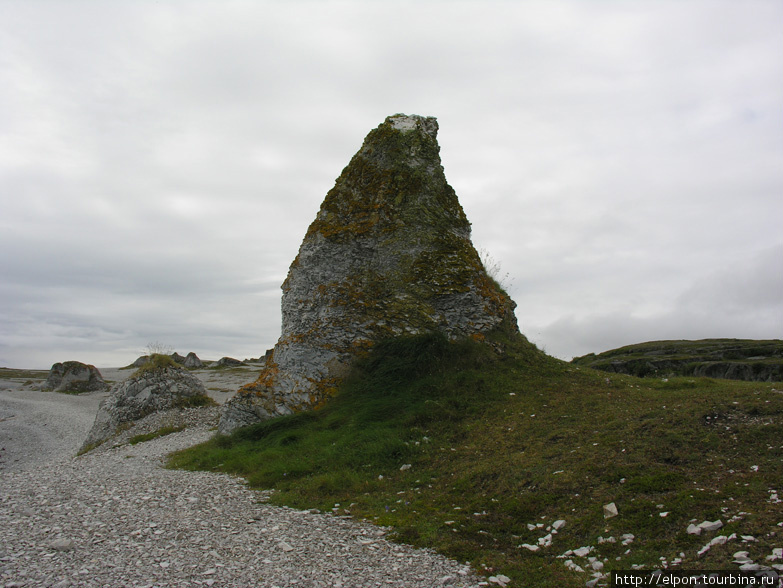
{"x": 195, "y": 401}
{"x": 162, "y": 432}
{"x": 157, "y": 361}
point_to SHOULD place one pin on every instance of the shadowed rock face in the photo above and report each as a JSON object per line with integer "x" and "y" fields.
{"x": 389, "y": 253}
{"x": 74, "y": 376}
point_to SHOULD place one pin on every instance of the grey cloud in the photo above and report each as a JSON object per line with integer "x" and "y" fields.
{"x": 160, "y": 162}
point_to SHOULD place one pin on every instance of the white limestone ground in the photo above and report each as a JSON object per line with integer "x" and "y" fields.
{"x": 116, "y": 517}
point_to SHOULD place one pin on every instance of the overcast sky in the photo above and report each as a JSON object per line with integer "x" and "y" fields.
{"x": 161, "y": 161}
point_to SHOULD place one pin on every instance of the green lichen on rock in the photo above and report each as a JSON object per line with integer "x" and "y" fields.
{"x": 389, "y": 253}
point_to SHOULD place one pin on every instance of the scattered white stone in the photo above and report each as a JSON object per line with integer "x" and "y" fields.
{"x": 531, "y": 527}
{"x": 747, "y": 538}
{"x": 750, "y": 567}
{"x": 530, "y": 547}
{"x": 694, "y": 529}
{"x": 110, "y": 509}
{"x": 572, "y": 566}
{"x": 545, "y": 541}
{"x": 597, "y": 565}
{"x": 627, "y": 538}
{"x": 741, "y": 557}
{"x": 557, "y": 525}
{"x": 582, "y": 551}
{"x": 610, "y": 510}
{"x": 404, "y": 467}
{"x": 663, "y": 514}
{"x": 500, "y": 580}
{"x": 719, "y": 540}
{"x": 607, "y": 540}
{"x": 711, "y": 526}
{"x": 754, "y": 468}
{"x": 62, "y": 545}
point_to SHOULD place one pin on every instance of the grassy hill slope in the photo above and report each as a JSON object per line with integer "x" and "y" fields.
{"x": 477, "y": 454}
{"x": 734, "y": 359}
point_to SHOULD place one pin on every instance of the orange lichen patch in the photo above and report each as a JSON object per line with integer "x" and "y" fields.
{"x": 264, "y": 382}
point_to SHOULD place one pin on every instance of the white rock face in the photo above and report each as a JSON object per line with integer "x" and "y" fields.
{"x": 711, "y": 525}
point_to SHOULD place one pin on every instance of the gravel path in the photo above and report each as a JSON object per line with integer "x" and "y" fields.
{"x": 115, "y": 517}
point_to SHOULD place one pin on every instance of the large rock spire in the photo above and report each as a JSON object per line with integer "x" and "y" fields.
{"x": 389, "y": 253}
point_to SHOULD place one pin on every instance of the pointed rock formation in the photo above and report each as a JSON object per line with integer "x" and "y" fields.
{"x": 388, "y": 254}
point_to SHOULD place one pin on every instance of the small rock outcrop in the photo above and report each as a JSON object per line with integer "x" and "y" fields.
{"x": 147, "y": 391}
{"x": 389, "y": 253}
{"x": 73, "y": 377}
{"x": 178, "y": 358}
{"x": 228, "y": 362}
{"x": 142, "y": 360}
{"x": 192, "y": 361}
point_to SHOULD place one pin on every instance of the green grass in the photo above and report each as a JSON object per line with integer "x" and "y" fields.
{"x": 157, "y": 361}
{"x": 194, "y": 401}
{"x": 16, "y": 374}
{"x": 498, "y": 442}
{"x": 751, "y": 359}
{"x": 162, "y": 432}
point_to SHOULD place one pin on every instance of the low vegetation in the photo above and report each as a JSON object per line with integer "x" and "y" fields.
{"x": 157, "y": 361}
{"x": 28, "y": 376}
{"x": 195, "y": 401}
{"x": 476, "y": 454}
{"x": 737, "y": 359}
{"x": 162, "y": 432}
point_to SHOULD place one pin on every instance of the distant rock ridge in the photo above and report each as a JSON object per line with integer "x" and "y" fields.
{"x": 731, "y": 359}
{"x": 389, "y": 253}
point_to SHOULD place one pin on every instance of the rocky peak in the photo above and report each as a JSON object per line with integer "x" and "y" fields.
{"x": 389, "y": 253}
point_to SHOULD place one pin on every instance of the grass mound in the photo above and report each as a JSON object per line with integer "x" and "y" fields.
{"x": 157, "y": 361}
{"x": 476, "y": 453}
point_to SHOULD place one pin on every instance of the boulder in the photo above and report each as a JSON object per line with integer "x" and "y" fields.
{"x": 192, "y": 361}
{"x": 177, "y": 358}
{"x": 228, "y": 362}
{"x": 389, "y": 253}
{"x": 147, "y": 391}
{"x": 74, "y": 377}
{"x": 140, "y": 361}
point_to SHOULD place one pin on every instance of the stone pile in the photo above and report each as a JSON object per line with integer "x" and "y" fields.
{"x": 116, "y": 517}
